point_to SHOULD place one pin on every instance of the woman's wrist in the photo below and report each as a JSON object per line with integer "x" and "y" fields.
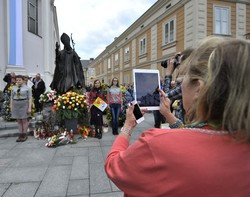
{"x": 126, "y": 130}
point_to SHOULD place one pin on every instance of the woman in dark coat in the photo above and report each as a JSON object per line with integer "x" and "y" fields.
{"x": 96, "y": 114}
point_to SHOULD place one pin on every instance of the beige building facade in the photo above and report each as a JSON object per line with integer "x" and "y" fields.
{"x": 169, "y": 26}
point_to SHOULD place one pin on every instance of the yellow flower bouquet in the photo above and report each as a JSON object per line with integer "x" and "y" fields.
{"x": 70, "y": 105}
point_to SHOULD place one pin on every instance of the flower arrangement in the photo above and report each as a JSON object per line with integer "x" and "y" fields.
{"x": 86, "y": 132}
{"x": 61, "y": 138}
{"x": 6, "y": 104}
{"x": 70, "y": 105}
{"x": 47, "y": 97}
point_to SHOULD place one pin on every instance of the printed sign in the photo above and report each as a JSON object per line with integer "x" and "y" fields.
{"x": 100, "y": 104}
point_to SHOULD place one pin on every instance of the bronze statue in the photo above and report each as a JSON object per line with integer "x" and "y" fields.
{"x": 68, "y": 71}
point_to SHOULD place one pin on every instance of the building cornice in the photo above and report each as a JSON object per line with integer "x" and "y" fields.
{"x": 239, "y": 1}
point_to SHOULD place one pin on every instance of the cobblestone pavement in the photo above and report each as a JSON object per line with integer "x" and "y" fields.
{"x": 31, "y": 169}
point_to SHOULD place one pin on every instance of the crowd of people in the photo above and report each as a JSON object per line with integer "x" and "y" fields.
{"x": 207, "y": 152}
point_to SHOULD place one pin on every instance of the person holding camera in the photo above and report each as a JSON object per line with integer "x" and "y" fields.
{"x": 198, "y": 57}
{"x": 209, "y": 157}
{"x": 174, "y": 93}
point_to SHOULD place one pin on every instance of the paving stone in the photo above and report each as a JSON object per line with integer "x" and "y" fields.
{"x": 78, "y": 187}
{"x": 6, "y": 161}
{"x": 107, "y": 142}
{"x": 18, "y": 175}
{"x": 69, "y": 151}
{"x": 95, "y": 155}
{"x": 114, "y": 187}
{"x": 16, "y": 152}
{"x": 8, "y": 145}
{"x": 105, "y": 151}
{"x": 90, "y": 142}
{"x": 99, "y": 181}
{"x": 55, "y": 182}
{"x": 35, "y": 158}
{"x": 22, "y": 190}
{"x": 80, "y": 168}
{"x": 58, "y": 161}
{"x": 113, "y": 194}
{"x": 3, "y": 188}
{"x": 30, "y": 143}
{"x": 3, "y": 152}
{"x": 108, "y": 137}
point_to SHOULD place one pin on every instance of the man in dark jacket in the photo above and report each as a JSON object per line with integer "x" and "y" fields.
{"x": 37, "y": 89}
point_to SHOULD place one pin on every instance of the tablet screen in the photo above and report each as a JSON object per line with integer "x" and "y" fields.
{"x": 146, "y": 85}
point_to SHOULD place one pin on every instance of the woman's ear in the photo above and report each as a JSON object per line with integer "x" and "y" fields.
{"x": 199, "y": 86}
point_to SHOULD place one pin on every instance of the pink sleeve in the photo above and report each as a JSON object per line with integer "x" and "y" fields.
{"x": 129, "y": 167}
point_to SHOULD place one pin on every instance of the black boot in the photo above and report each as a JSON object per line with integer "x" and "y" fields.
{"x": 96, "y": 132}
{"x": 99, "y": 132}
{"x": 115, "y": 131}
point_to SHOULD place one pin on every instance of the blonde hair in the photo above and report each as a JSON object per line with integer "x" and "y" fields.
{"x": 196, "y": 66}
{"x": 225, "y": 100}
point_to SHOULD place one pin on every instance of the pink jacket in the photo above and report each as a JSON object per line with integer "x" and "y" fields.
{"x": 180, "y": 162}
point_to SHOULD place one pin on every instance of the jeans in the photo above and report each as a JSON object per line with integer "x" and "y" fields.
{"x": 115, "y": 112}
{"x": 159, "y": 118}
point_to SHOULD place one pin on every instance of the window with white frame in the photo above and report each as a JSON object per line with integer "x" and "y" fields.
{"x": 33, "y": 16}
{"x": 169, "y": 31}
{"x": 116, "y": 59}
{"x": 221, "y": 20}
{"x": 142, "y": 46}
{"x": 109, "y": 63}
{"x": 126, "y": 54}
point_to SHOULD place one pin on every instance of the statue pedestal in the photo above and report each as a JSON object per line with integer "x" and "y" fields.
{"x": 71, "y": 124}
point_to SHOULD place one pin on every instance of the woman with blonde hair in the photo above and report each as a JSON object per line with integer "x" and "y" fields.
{"x": 196, "y": 66}
{"x": 211, "y": 157}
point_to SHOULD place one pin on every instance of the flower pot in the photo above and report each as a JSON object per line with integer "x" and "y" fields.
{"x": 71, "y": 124}
{"x": 105, "y": 129}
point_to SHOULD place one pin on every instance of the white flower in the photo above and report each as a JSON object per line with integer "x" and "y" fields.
{"x": 75, "y": 109}
{"x": 70, "y": 102}
{"x": 63, "y": 107}
{"x": 77, "y": 103}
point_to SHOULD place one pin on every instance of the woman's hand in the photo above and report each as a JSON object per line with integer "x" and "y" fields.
{"x": 130, "y": 121}
{"x": 29, "y": 110}
{"x": 165, "y": 104}
{"x": 165, "y": 108}
{"x": 170, "y": 68}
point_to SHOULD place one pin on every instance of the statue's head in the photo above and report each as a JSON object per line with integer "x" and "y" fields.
{"x": 65, "y": 40}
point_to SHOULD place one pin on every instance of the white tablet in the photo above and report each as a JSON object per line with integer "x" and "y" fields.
{"x": 146, "y": 83}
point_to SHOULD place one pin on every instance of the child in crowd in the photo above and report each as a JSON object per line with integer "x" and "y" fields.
{"x": 96, "y": 118}
{"x": 20, "y": 106}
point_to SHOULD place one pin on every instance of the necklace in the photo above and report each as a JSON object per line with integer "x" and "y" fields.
{"x": 199, "y": 125}
{"x": 198, "y": 128}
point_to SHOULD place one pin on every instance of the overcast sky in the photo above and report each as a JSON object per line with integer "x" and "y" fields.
{"x": 95, "y": 23}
